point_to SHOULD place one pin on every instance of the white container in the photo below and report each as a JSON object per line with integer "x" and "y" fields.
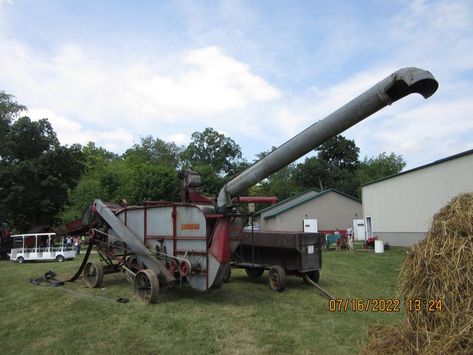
{"x": 378, "y": 246}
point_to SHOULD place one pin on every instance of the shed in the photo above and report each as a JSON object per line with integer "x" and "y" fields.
{"x": 399, "y": 209}
{"x": 331, "y": 208}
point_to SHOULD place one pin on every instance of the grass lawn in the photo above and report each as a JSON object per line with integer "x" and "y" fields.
{"x": 243, "y": 317}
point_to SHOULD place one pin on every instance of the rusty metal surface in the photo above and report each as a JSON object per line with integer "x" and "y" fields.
{"x": 142, "y": 253}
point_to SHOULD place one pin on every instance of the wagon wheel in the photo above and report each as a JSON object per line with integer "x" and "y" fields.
{"x": 277, "y": 278}
{"x": 93, "y": 274}
{"x": 314, "y": 275}
{"x": 254, "y": 273}
{"x": 146, "y": 286}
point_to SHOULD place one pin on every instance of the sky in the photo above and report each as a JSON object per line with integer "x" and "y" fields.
{"x": 259, "y": 72}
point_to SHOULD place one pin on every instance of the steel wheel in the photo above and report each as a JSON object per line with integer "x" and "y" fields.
{"x": 60, "y": 258}
{"x": 146, "y": 286}
{"x": 21, "y": 259}
{"x": 93, "y": 274}
{"x": 254, "y": 273}
{"x": 277, "y": 278}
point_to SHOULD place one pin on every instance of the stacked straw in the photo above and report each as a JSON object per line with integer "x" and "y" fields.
{"x": 438, "y": 268}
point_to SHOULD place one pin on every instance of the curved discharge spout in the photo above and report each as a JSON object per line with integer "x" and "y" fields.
{"x": 396, "y": 86}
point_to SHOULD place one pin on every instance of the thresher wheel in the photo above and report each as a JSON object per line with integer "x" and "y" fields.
{"x": 93, "y": 274}
{"x": 254, "y": 273}
{"x": 146, "y": 286}
{"x": 314, "y": 275}
{"x": 277, "y": 278}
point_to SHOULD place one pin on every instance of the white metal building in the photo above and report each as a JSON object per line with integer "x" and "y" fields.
{"x": 399, "y": 209}
{"x": 331, "y": 209}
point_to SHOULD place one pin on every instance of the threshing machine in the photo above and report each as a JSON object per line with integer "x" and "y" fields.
{"x": 159, "y": 244}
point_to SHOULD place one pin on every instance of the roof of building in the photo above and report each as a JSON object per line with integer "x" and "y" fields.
{"x": 273, "y": 210}
{"x": 436, "y": 162}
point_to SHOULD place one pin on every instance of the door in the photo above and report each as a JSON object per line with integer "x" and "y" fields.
{"x": 369, "y": 227}
{"x": 359, "y": 229}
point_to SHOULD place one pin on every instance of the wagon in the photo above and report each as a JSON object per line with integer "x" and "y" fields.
{"x": 282, "y": 253}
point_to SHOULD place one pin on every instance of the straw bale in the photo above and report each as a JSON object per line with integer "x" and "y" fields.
{"x": 438, "y": 268}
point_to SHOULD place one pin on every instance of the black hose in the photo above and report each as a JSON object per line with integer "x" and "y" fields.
{"x": 86, "y": 258}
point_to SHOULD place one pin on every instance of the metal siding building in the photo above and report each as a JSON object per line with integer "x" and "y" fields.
{"x": 401, "y": 207}
{"x": 331, "y": 208}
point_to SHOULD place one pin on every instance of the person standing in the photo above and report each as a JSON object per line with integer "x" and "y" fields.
{"x": 69, "y": 243}
{"x": 77, "y": 244}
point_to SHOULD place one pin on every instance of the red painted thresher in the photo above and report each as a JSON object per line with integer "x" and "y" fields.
{"x": 158, "y": 244}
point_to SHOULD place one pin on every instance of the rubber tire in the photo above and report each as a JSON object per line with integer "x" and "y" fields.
{"x": 21, "y": 259}
{"x": 254, "y": 273}
{"x": 60, "y": 258}
{"x": 314, "y": 275}
{"x": 150, "y": 292}
{"x": 277, "y": 278}
{"x": 98, "y": 270}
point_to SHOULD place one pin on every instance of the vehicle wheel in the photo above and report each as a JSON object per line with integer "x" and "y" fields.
{"x": 146, "y": 286}
{"x": 21, "y": 259}
{"x": 254, "y": 273}
{"x": 277, "y": 278}
{"x": 228, "y": 275}
{"x": 60, "y": 258}
{"x": 314, "y": 275}
{"x": 93, "y": 274}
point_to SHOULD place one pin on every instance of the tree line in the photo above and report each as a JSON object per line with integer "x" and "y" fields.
{"x": 45, "y": 183}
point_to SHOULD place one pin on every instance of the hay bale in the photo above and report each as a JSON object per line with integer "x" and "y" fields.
{"x": 438, "y": 268}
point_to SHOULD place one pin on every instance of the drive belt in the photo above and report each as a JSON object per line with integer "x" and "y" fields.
{"x": 86, "y": 258}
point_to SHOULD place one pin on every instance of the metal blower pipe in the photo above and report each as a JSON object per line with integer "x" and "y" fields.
{"x": 396, "y": 86}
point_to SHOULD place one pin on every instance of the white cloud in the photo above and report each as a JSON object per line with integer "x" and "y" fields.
{"x": 70, "y": 132}
{"x": 211, "y": 83}
{"x": 108, "y": 96}
{"x": 178, "y": 138}
{"x": 420, "y": 130}
{"x": 141, "y": 97}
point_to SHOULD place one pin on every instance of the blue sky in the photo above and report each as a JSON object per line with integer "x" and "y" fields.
{"x": 257, "y": 71}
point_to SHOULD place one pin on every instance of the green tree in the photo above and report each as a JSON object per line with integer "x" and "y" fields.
{"x": 312, "y": 173}
{"x": 95, "y": 182}
{"x": 137, "y": 176}
{"x": 334, "y": 166}
{"x": 155, "y": 151}
{"x": 339, "y": 153}
{"x": 9, "y": 111}
{"x": 96, "y": 158}
{"x": 212, "y": 149}
{"x": 150, "y": 182}
{"x": 378, "y": 167}
{"x": 36, "y": 172}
